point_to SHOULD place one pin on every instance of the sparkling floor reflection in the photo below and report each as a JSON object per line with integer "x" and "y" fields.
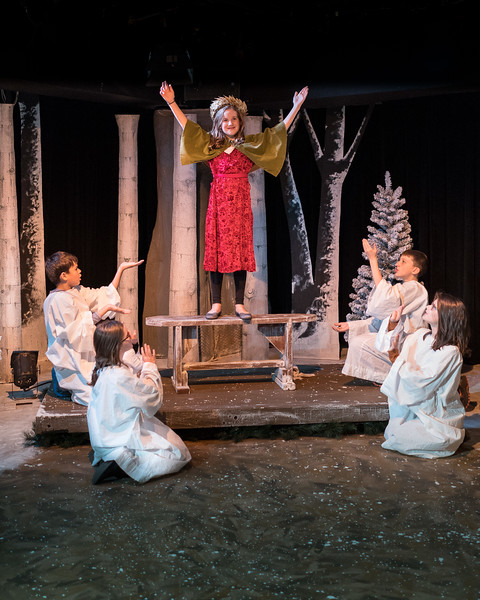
{"x": 298, "y": 519}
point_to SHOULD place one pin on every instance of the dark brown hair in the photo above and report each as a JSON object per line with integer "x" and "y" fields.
{"x": 419, "y": 260}
{"x": 217, "y": 136}
{"x": 453, "y": 328}
{"x": 107, "y": 341}
{"x": 58, "y": 263}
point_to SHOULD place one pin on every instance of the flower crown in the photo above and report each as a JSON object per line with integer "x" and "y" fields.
{"x": 223, "y": 101}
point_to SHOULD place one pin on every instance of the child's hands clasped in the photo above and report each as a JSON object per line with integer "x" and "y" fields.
{"x": 148, "y": 354}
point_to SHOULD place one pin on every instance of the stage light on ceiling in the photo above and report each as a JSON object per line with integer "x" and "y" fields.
{"x": 171, "y": 63}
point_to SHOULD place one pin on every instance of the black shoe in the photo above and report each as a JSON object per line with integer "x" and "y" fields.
{"x": 212, "y": 314}
{"x": 108, "y": 470}
{"x": 245, "y": 316}
{"x": 91, "y": 455}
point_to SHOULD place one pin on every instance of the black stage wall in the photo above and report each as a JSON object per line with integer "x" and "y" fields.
{"x": 430, "y": 146}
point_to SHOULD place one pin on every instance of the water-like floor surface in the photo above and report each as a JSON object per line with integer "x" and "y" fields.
{"x": 259, "y": 519}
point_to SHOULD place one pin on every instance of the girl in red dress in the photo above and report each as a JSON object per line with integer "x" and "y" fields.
{"x": 231, "y": 155}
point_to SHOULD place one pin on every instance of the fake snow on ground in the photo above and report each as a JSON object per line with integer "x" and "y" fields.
{"x": 259, "y": 519}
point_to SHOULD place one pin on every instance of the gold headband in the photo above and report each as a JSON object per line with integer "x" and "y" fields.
{"x": 224, "y": 101}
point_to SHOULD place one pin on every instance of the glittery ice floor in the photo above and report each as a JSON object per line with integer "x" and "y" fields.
{"x": 259, "y": 519}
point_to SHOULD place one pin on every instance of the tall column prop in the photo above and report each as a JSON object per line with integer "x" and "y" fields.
{"x": 157, "y": 268}
{"x": 10, "y": 284}
{"x": 32, "y": 246}
{"x": 255, "y": 346}
{"x": 183, "y": 266}
{"x": 127, "y": 249}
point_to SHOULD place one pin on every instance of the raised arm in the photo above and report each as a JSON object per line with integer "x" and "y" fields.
{"x": 298, "y": 100}
{"x": 124, "y": 265}
{"x": 167, "y": 93}
{"x": 371, "y": 252}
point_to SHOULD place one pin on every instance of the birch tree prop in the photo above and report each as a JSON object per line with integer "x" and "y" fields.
{"x": 183, "y": 265}
{"x": 10, "y": 284}
{"x": 301, "y": 263}
{"x": 254, "y": 344}
{"x": 127, "y": 248}
{"x": 392, "y": 238}
{"x": 318, "y": 340}
{"x": 157, "y": 269}
{"x": 32, "y": 251}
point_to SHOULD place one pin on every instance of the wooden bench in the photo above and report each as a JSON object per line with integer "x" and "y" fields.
{"x": 278, "y": 329}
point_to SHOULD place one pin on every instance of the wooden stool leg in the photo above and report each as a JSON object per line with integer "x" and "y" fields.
{"x": 180, "y": 376}
{"x": 284, "y": 375}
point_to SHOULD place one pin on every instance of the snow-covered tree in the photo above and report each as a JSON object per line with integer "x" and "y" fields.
{"x": 333, "y": 161}
{"x": 391, "y": 237}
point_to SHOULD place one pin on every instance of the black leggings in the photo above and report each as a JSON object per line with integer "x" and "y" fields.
{"x": 216, "y": 279}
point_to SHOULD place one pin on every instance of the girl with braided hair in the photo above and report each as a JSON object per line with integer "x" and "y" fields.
{"x": 231, "y": 155}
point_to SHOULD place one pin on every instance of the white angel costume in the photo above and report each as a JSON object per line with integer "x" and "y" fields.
{"x": 426, "y": 413}
{"x": 70, "y": 326}
{"x": 123, "y": 428}
{"x": 367, "y": 357}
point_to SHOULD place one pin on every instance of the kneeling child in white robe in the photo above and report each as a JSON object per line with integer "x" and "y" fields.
{"x": 123, "y": 429}
{"x": 426, "y": 413}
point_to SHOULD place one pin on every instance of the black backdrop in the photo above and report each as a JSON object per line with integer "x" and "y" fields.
{"x": 430, "y": 146}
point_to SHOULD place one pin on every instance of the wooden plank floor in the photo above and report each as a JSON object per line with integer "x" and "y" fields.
{"x": 231, "y": 399}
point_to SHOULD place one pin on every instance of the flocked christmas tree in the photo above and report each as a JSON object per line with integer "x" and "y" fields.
{"x": 391, "y": 237}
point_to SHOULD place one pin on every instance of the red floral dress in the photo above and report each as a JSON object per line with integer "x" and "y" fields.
{"x": 229, "y": 220}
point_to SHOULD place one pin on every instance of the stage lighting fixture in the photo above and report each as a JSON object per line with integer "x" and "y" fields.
{"x": 24, "y": 367}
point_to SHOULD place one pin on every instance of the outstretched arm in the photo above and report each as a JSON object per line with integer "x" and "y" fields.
{"x": 371, "y": 252}
{"x": 298, "y": 100}
{"x": 121, "y": 269}
{"x": 167, "y": 93}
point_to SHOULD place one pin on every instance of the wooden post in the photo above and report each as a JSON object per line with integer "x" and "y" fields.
{"x": 32, "y": 247}
{"x": 183, "y": 269}
{"x": 127, "y": 249}
{"x": 157, "y": 269}
{"x": 254, "y": 345}
{"x": 10, "y": 285}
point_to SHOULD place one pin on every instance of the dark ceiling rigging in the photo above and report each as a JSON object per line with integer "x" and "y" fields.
{"x": 117, "y": 51}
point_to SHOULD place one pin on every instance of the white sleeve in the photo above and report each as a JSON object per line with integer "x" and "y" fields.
{"x": 98, "y": 297}
{"x": 133, "y": 360}
{"x": 383, "y": 341}
{"x": 69, "y": 325}
{"x": 422, "y": 380}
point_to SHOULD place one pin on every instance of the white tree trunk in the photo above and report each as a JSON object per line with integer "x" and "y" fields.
{"x": 157, "y": 269}
{"x": 32, "y": 263}
{"x": 183, "y": 266}
{"x": 255, "y": 345}
{"x": 10, "y": 286}
{"x": 319, "y": 341}
{"x": 127, "y": 249}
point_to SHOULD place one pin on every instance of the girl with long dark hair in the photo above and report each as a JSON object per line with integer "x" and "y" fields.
{"x": 426, "y": 413}
{"x": 126, "y": 437}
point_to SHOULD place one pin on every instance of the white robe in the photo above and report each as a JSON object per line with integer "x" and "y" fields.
{"x": 366, "y": 359}
{"x": 70, "y": 328}
{"x": 426, "y": 414}
{"x": 123, "y": 428}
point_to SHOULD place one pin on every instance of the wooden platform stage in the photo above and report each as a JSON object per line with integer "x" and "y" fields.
{"x": 246, "y": 398}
